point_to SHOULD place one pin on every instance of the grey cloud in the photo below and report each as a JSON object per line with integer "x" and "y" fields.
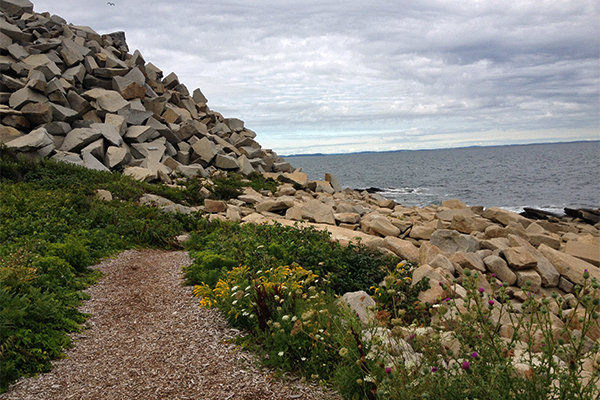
{"x": 453, "y": 68}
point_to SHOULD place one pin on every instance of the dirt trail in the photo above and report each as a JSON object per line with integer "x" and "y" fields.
{"x": 147, "y": 339}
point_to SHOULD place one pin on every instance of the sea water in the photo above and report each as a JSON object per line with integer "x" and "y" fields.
{"x": 544, "y": 176}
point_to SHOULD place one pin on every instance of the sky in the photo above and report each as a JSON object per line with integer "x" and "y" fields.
{"x": 333, "y": 76}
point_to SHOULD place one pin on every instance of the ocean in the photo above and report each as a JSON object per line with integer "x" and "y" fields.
{"x": 544, "y": 176}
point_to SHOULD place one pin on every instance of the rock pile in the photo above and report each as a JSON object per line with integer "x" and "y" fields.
{"x": 81, "y": 97}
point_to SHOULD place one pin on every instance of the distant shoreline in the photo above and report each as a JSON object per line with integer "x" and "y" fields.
{"x": 444, "y": 148}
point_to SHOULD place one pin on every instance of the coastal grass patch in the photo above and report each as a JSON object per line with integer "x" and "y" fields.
{"x": 53, "y": 227}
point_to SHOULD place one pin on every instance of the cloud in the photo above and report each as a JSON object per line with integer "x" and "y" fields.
{"x": 330, "y": 72}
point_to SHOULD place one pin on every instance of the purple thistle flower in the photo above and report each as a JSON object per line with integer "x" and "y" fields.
{"x": 433, "y": 369}
{"x": 388, "y": 370}
{"x": 474, "y": 354}
{"x": 493, "y": 275}
{"x": 465, "y": 365}
{"x": 491, "y": 302}
{"x": 481, "y": 290}
{"x": 447, "y": 299}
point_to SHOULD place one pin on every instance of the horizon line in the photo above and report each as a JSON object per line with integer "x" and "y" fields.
{"x": 319, "y": 154}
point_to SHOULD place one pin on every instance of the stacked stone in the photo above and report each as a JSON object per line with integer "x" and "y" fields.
{"x": 81, "y": 97}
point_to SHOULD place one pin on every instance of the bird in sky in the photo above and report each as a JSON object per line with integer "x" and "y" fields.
{"x": 110, "y": 4}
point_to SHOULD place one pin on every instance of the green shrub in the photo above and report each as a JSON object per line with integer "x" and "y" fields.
{"x": 208, "y": 268}
{"x": 73, "y": 251}
{"x": 230, "y": 186}
{"x": 264, "y": 246}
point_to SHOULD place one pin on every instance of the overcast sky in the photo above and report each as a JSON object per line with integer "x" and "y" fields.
{"x": 343, "y": 76}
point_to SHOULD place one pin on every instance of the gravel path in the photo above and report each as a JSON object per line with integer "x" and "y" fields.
{"x": 148, "y": 339}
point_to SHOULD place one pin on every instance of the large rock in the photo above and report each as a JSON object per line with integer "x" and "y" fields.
{"x": 572, "y": 268}
{"x": 320, "y": 187}
{"x": 205, "y": 149}
{"x": 447, "y": 215}
{"x": 139, "y": 173}
{"x": 109, "y": 132}
{"x": 382, "y": 226}
{"x": 529, "y": 280}
{"x": 13, "y": 32}
{"x": 72, "y": 53}
{"x": 427, "y": 252}
{"x": 333, "y": 182}
{"x": 441, "y": 261}
{"x": 79, "y": 138}
{"x": 245, "y": 166}
{"x": 452, "y": 241}
{"x": 454, "y": 204}
{"x": 402, "y": 248}
{"x": 25, "y": 96}
{"x": 589, "y": 252}
{"x": 469, "y": 224}
{"x": 437, "y": 277}
{"x": 140, "y": 134}
{"x": 37, "y": 113}
{"x": 71, "y": 158}
{"x": 519, "y": 258}
{"x": 362, "y": 304}
{"x": 422, "y": 232}
{"x": 35, "y": 140}
{"x": 16, "y": 7}
{"x": 226, "y": 162}
{"x": 316, "y": 211}
{"x": 153, "y": 150}
{"x": 116, "y": 157}
{"x": 295, "y": 178}
{"x": 62, "y": 113}
{"x": 347, "y": 218}
{"x": 468, "y": 261}
{"x": 107, "y": 100}
{"x": 215, "y": 206}
{"x": 537, "y": 240}
{"x": 192, "y": 170}
{"x": 504, "y": 216}
{"x": 91, "y": 162}
{"x": 544, "y": 268}
{"x": 275, "y": 205}
{"x": 498, "y": 266}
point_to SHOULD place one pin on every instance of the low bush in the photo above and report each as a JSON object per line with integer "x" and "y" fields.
{"x": 265, "y": 246}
